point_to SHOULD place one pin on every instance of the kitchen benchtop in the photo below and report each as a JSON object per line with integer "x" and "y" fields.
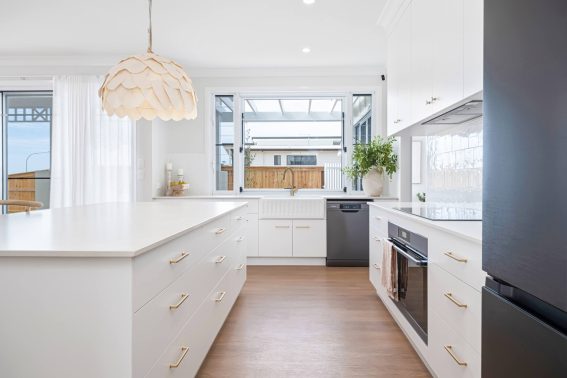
{"x": 280, "y": 196}
{"x": 104, "y": 230}
{"x": 471, "y": 230}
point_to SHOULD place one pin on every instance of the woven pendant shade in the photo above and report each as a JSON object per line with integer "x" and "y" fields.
{"x": 148, "y": 86}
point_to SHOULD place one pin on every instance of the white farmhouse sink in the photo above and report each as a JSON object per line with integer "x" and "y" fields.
{"x": 302, "y": 207}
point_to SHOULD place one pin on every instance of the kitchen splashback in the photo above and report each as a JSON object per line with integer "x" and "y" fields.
{"x": 454, "y": 164}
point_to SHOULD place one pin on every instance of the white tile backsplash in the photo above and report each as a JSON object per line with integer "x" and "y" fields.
{"x": 454, "y": 164}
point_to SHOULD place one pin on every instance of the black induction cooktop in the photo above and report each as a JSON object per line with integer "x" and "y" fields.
{"x": 444, "y": 213}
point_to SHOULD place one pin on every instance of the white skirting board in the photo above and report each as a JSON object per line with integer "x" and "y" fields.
{"x": 286, "y": 261}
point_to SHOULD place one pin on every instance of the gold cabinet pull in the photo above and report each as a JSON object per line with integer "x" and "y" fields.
{"x": 449, "y": 350}
{"x": 282, "y": 226}
{"x": 377, "y": 217}
{"x": 240, "y": 267}
{"x": 376, "y": 266}
{"x": 179, "y": 258}
{"x": 220, "y": 259}
{"x": 240, "y": 239}
{"x": 184, "y": 297}
{"x": 302, "y": 226}
{"x": 239, "y": 218}
{"x": 452, "y": 299}
{"x": 220, "y": 297}
{"x": 456, "y": 258}
{"x": 184, "y": 351}
{"x": 219, "y": 230}
{"x": 377, "y": 239}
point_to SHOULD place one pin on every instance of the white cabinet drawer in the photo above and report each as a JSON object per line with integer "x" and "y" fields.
{"x": 459, "y": 257}
{"x": 450, "y": 355}
{"x": 276, "y": 238}
{"x": 378, "y": 223}
{"x": 156, "y": 323}
{"x": 309, "y": 238}
{"x": 155, "y": 270}
{"x": 184, "y": 355}
{"x": 457, "y": 303}
{"x": 375, "y": 261}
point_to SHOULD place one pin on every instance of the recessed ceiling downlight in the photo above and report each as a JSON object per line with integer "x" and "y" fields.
{"x": 308, "y": 2}
{"x": 306, "y": 50}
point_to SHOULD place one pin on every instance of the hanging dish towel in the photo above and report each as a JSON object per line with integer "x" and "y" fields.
{"x": 389, "y": 277}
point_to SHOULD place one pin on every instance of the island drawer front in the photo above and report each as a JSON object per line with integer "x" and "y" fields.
{"x": 200, "y": 332}
{"x": 155, "y": 324}
{"x": 156, "y": 269}
{"x": 457, "y": 256}
{"x": 445, "y": 365}
{"x": 378, "y": 223}
{"x": 457, "y": 303}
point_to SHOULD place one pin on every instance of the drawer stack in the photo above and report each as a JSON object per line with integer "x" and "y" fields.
{"x": 378, "y": 227}
{"x": 454, "y": 301}
{"x": 182, "y": 293}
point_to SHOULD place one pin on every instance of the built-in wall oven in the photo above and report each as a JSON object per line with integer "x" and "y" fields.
{"x": 411, "y": 253}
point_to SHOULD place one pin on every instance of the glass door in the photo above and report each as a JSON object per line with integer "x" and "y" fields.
{"x": 26, "y": 137}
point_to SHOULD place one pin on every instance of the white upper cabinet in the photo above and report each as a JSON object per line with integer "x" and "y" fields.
{"x": 399, "y": 80}
{"x": 434, "y": 58}
{"x": 473, "y": 45}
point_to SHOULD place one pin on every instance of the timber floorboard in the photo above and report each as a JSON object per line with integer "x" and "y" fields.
{"x": 310, "y": 321}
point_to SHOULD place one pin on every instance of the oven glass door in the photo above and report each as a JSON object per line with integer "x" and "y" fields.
{"x": 412, "y": 292}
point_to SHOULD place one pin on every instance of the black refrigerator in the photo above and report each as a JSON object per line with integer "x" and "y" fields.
{"x": 524, "y": 251}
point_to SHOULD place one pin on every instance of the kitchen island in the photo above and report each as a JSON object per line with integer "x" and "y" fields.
{"x": 117, "y": 290}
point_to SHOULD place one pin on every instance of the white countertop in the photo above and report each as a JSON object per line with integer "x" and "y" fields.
{"x": 260, "y": 196}
{"x": 471, "y": 230}
{"x": 104, "y": 230}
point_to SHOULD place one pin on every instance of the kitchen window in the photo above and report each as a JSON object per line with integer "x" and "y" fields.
{"x": 26, "y": 147}
{"x": 258, "y": 138}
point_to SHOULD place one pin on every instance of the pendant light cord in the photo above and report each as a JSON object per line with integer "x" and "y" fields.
{"x": 150, "y": 27}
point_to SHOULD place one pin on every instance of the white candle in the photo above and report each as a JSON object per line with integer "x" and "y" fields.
{"x": 180, "y": 172}
{"x": 169, "y": 166}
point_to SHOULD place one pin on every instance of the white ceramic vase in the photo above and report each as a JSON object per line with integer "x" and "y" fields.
{"x": 373, "y": 182}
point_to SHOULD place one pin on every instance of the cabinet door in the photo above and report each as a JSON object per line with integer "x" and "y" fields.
{"x": 447, "y": 29}
{"x": 252, "y": 235}
{"x": 399, "y": 67}
{"x": 309, "y": 238}
{"x": 275, "y": 238}
{"x": 473, "y": 42}
{"x": 421, "y": 59}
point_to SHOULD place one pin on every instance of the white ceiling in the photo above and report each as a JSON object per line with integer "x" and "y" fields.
{"x": 204, "y": 34}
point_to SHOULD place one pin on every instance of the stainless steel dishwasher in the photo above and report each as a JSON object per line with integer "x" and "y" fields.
{"x": 347, "y": 232}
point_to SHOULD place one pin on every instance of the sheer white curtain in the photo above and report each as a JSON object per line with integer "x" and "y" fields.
{"x": 92, "y": 154}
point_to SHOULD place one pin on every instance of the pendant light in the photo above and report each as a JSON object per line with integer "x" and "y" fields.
{"x": 148, "y": 86}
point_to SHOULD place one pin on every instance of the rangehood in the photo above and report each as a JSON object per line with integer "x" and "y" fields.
{"x": 462, "y": 114}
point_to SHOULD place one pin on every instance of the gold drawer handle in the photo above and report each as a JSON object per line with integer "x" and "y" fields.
{"x": 239, "y": 218}
{"x": 179, "y": 258}
{"x": 220, "y": 297}
{"x": 240, "y": 239}
{"x": 452, "y": 299}
{"x": 378, "y": 218}
{"x": 377, "y": 239}
{"x": 219, "y": 231}
{"x": 240, "y": 267}
{"x": 184, "y": 351}
{"x": 282, "y": 226}
{"x": 302, "y": 226}
{"x": 456, "y": 258}
{"x": 184, "y": 297}
{"x": 376, "y": 266}
{"x": 220, "y": 259}
{"x": 449, "y": 350}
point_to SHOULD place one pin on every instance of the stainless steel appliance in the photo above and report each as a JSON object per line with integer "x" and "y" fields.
{"x": 444, "y": 213}
{"x": 347, "y": 232}
{"x": 524, "y": 303}
{"x": 411, "y": 249}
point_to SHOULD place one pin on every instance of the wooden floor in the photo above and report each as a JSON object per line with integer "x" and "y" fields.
{"x": 310, "y": 322}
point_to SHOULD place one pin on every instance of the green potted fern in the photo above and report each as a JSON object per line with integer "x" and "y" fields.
{"x": 370, "y": 161}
